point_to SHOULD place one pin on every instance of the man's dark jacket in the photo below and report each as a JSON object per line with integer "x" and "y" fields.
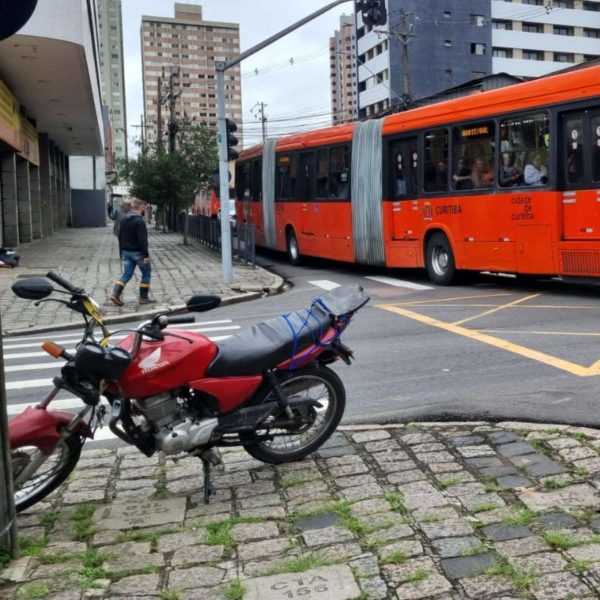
{"x": 133, "y": 235}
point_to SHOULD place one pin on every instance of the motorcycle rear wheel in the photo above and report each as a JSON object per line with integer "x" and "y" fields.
{"x": 315, "y": 383}
{"x": 53, "y": 471}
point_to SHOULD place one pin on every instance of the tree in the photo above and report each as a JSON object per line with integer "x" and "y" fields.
{"x": 172, "y": 180}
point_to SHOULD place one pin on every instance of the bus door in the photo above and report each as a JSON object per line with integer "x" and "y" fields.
{"x": 305, "y": 194}
{"x": 579, "y": 168}
{"x": 403, "y": 188}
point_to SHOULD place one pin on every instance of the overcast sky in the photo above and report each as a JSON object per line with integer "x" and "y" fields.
{"x": 290, "y": 91}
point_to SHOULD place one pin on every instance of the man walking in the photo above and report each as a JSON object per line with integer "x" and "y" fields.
{"x": 133, "y": 242}
{"x": 120, "y": 214}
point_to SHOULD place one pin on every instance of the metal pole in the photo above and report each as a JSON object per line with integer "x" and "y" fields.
{"x": 224, "y": 178}
{"x": 8, "y": 515}
{"x": 221, "y": 67}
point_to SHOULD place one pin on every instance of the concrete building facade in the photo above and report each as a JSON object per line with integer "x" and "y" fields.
{"x": 110, "y": 29}
{"x": 450, "y": 42}
{"x": 189, "y": 46}
{"x": 343, "y": 74}
{"x": 50, "y": 108}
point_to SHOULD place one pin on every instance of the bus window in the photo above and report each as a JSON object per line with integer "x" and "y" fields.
{"x": 524, "y": 150}
{"x": 339, "y": 173}
{"x": 256, "y": 181}
{"x": 436, "y": 161}
{"x": 323, "y": 174}
{"x": 574, "y": 149}
{"x": 473, "y": 156}
{"x": 283, "y": 188}
{"x": 403, "y": 168}
{"x": 242, "y": 180}
{"x": 595, "y": 121}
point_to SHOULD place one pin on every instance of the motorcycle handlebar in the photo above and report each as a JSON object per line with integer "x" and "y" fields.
{"x": 62, "y": 282}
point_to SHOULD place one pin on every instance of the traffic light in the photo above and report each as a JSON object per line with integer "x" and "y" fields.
{"x": 373, "y": 12}
{"x": 232, "y": 141}
{"x": 14, "y": 15}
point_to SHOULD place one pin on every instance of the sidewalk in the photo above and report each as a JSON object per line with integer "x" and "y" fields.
{"x": 89, "y": 258}
{"x": 422, "y": 511}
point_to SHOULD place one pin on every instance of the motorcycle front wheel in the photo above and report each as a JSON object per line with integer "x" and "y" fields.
{"x": 51, "y": 473}
{"x": 320, "y": 384}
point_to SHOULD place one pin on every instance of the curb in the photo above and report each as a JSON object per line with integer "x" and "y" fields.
{"x": 128, "y": 317}
{"x": 247, "y": 293}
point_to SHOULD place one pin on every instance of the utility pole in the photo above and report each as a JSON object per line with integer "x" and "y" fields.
{"x": 159, "y": 102}
{"x": 260, "y": 114}
{"x": 172, "y": 97}
{"x": 404, "y": 36}
{"x": 143, "y": 129}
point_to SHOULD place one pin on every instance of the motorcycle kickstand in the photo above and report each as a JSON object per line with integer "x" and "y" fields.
{"x": 209, "y": 459}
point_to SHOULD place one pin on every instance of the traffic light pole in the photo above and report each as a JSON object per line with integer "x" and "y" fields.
{"x": 221, "y": 67}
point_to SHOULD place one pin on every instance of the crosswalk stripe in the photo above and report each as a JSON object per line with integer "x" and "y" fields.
{"x": 29, "y": 383}
{"x": 399, "y": 283}
{"x": 33, "y": 367}
{"x": 78, "y": 334}
{"x": 117, "y": 337}
{"x": 325, "y": 284}
{"x": 64, "y": 404}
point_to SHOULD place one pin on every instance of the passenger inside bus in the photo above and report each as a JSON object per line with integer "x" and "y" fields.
{"x": 535, "y": 172}
{"x": 342, "y": 185}
{"x": 509, "y": 175}
{"x": 400, "y": 176}
{"x": 575, "y": 165}
{"x": 481, "y": 175}
{"x": 438, "y": 181}
{"x": 462, "y": 177}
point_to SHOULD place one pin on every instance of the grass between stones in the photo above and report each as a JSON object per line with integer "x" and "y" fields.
{"x": 219, "y": 534}
{"x": 520, "y": 578}
{"x": 490, "y": 487}
{"x": 579, "y": 566}
{"x": 35, "y": 589}
{"x": 395, "y": 558}
{"x": 475, "y": 550}
{"x": 233, "y": 591}
{"x": 396, "y": 500}
{"x": 32, "y": 546}
{"x": 579, "y": 471}
{"x": 82, "y": 522}
{"x": 485, "y": 507}
{"x": 555, "y": 484}
{"x": 523, "y": 517}
{"x": 290, "y": 481}
{"x": 301, "y": 564}
{"x": 169, "y": 595}
{"x": 4, "y": 558}
{"x": 431, "y": 519}
{"x": 562, "y": 541}
{"x": 448, "y": 482}
{"x": 417, "y": 576}
{"x": 48, "y": 519}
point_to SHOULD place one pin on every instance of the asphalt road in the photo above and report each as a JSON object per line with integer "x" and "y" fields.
{"x": 495, "y": 348}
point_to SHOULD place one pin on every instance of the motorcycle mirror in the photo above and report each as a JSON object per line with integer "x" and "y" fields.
{"x": 32, "y": 288}
{"x": 202, "y": 303}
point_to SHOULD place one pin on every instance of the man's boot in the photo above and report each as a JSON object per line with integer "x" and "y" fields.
{"x": 144, "y": 290}
{"x": 116, "y": 295}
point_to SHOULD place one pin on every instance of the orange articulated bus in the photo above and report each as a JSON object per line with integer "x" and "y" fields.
{"x": 503, "y": 181}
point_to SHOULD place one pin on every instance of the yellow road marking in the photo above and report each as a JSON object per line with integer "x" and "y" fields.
{"x": 570, "y": 333}
{"x": 493, "y": 310}
{"x": 546, "y": 359}
{"x": 419, "y": 302}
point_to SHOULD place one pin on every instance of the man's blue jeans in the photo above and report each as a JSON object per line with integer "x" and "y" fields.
{"x": 130, "y": 261}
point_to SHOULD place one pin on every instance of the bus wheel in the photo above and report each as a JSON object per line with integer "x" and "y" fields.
{"x": 439, "y": 260}
{"x": 293, "y": 250}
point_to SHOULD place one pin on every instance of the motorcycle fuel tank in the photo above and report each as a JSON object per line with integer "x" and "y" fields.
{"x": 165, "y": 365}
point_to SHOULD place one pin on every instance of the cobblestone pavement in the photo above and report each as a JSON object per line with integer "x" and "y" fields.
{"x": 89, "y": 258}
{"x": 436, "y": 511}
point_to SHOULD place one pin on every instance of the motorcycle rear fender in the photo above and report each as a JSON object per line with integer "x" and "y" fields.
{"x": 40, "y": 428}
{"x": 309, "y": 354}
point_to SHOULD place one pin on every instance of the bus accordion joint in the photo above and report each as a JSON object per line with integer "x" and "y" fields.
{"x": 53, "y": 349}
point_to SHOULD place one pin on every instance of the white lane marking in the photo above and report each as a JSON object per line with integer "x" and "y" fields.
{"x": 325, "y": 284}
{"x": 117, "y": 337}
{"x": 33, "y": 367}
{"x": 400, "y": 283}
{"x": 17, "y": 355}
{"x": 65, "y": 404}
{"x": 36, "y": 383}
{"x": 116, "y": 326}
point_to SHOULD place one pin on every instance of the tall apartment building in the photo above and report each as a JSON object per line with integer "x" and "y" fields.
{"x": 534, "y": 38}
{"x": 191, "y": 46}
{"x": 112, "y": 80}
{"x": 450, "y": 42}
{"x": 342, "y": 53}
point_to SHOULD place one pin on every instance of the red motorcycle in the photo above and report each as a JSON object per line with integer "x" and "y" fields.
{"x": 268, "y": 389}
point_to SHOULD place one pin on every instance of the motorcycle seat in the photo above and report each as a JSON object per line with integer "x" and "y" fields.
{"x": 269, "y": 343}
